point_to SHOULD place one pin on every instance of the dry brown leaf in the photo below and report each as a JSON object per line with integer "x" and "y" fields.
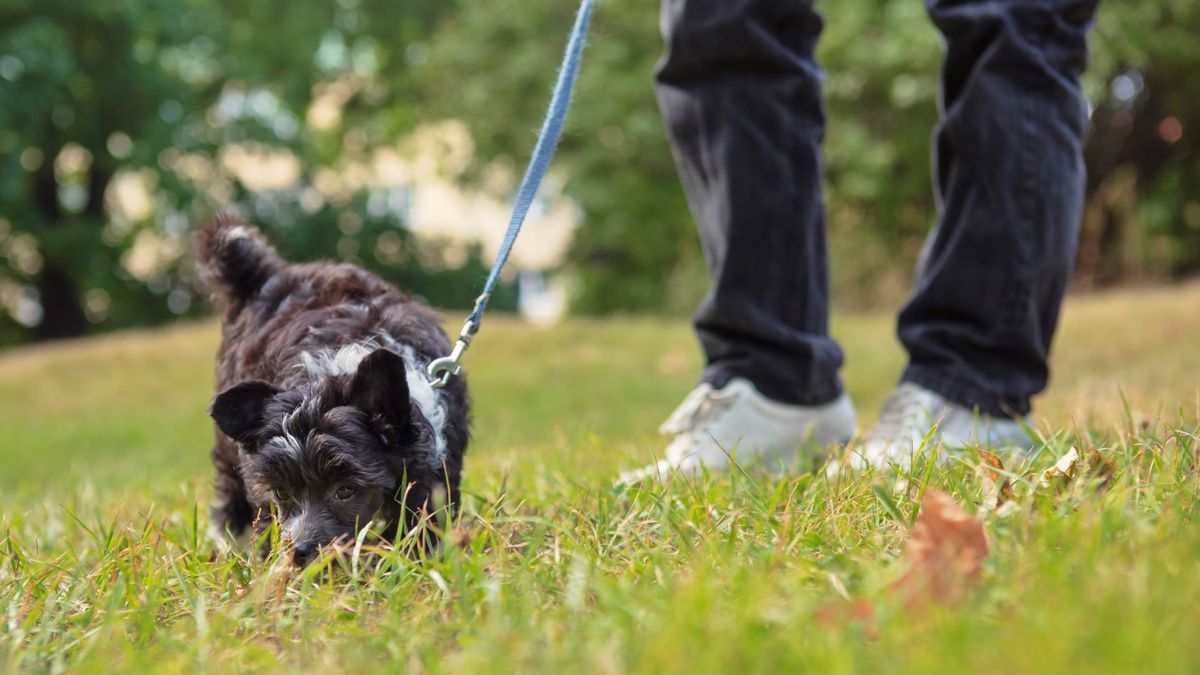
{"x": 1101, "y": 469}
{"x": 997, "y": 489}
{"x": 945, "y": 554}
{"x": 989, "y": 463}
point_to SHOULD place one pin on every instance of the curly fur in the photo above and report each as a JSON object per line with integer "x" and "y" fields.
{"x": 322, "y": 390}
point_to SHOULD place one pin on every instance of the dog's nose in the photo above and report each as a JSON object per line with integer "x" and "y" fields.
{"x": 303, "y": 552}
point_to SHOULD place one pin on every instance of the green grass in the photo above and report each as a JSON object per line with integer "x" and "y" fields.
{"x": 104, "y": 482}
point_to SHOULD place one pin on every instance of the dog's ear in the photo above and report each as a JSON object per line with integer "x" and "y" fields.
{"x": 240, "y": 410}
{"x": 380, "y": 389}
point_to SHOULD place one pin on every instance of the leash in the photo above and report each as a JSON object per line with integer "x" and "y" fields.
{"x": 441, "y": 370}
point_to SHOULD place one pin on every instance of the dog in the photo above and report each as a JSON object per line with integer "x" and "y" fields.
{"x": 325, "y": 418}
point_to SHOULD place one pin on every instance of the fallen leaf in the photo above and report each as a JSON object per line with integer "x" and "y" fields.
{"x": 997, "y": 489}
{"x": 945, "y": 554}
{"x": 1101, "y": 469}
{"x": 1063, "y": 472}
{"x": 1093, "y": 465}
{"x": 989, "y": 463}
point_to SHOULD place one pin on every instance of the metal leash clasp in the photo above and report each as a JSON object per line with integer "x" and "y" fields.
{"x": 440, "y": 371}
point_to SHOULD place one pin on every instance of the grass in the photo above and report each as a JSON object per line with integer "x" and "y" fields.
{"x": 104, "y": 482}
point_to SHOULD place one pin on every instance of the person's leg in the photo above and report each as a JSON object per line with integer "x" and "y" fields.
{"x": 1010, "y": 186}
{"x": 1010, "y": 180}
{"x": 740, "y": 91}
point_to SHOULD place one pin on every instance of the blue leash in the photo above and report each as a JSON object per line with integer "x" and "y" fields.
{"x": 443, "y": 369}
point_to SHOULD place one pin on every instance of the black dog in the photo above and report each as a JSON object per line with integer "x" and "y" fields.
{"x": 325, "y": 418}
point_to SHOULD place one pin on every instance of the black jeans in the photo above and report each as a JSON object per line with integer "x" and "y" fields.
{"x": 740, "y": 90}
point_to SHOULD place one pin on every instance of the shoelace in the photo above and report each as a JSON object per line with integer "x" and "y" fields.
{"x": 697, "y": 408}
{"x": 906, "y": 409}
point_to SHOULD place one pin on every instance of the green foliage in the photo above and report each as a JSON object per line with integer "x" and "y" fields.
{"x": 158, "y": 89}
{"x": 614, "y": 153}
{"x": 1144, "y": 152}
{"x": 92, "y": 93}
{"x": 882, "y": 60}
{"x": 80, "y": 76}
{"x": 637, "y": 249}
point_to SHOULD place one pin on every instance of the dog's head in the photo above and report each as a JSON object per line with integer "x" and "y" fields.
{"x": 326, "y": 455}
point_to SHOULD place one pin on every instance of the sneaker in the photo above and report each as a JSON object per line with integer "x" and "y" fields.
{"x": 908, "y": 415}
{"x": 713, "y": 427}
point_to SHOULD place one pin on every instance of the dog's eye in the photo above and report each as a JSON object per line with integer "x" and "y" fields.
{"x": 282, "y": 495}
{"x": 345, "y": 492}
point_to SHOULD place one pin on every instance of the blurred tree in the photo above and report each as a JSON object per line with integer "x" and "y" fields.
{"x": 124, "y": 121}
{"x": 82, "y": 95}
{"x": 502, "y": 55}
{"x": 637, "y": 250}
{"x": 1144, "y": 153}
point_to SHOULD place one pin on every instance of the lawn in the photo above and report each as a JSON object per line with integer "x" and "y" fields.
{"x": 104, "y": 485}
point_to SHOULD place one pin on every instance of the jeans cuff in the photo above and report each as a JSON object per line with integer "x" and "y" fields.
{"x": 807, "y": 389}
{"x": 964, "y": 392}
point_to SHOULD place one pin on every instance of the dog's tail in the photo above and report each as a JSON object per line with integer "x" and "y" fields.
{"x": 234, "y": 260}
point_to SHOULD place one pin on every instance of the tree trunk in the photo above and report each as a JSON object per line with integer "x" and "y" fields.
{"x": 62, "y": 312}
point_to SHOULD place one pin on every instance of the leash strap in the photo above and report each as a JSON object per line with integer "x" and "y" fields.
{"x": 442, "y": 370}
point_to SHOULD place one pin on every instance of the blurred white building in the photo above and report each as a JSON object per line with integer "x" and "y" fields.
{"x": 418, "y": 180}
{"x": 437, "y": 206}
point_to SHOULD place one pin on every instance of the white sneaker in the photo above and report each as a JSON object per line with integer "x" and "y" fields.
{"x": 908, "y": 415}
{"x": 713, "y": 427}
